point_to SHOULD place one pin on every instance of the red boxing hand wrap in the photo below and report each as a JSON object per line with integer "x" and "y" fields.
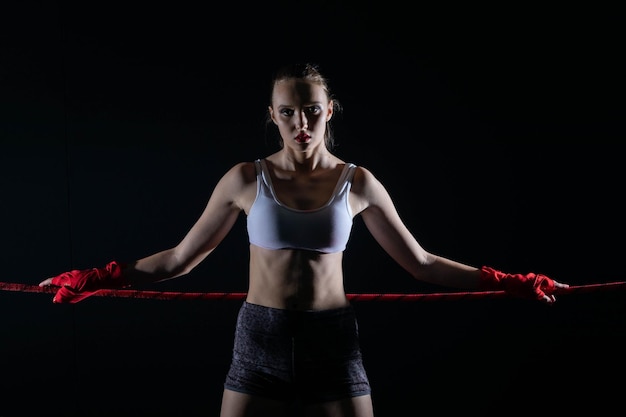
{"x": 77, "y": 285}
{"x": 531, "y": 285}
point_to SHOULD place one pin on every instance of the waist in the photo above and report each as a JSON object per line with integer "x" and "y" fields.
{"x": 296, "y": 296}
{"x": 297, "y": 304}
{"x": 272, "y": 314}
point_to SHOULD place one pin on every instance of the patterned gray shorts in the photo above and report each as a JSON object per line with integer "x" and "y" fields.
{"x": 311, "y": 356}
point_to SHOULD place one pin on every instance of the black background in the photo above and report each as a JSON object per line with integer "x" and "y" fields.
{"x": 498, "y": 131}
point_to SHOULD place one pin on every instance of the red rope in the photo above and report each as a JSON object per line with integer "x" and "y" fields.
{"x": 171, "y": 295}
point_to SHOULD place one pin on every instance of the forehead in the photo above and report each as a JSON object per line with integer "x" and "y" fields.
{"x": 295, "y": 90}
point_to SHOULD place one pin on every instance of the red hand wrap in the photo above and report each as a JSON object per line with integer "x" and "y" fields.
{"x": 531, "y": 285}
{"x": 77, "y": 285}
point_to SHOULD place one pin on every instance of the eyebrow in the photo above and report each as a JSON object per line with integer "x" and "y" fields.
{"x": 311, "y": 103}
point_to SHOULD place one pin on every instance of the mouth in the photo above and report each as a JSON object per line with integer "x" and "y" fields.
{"x": 303, "y": 137}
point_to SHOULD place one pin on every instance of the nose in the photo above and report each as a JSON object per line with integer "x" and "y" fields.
{"x": 302, "y": 123}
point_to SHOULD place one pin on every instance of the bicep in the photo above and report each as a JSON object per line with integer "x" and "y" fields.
{"x": 382, "y": 220}
{"x": 208, "y": 231}
{"x": 217, "y": 219}
{"x": 392, "y": 235}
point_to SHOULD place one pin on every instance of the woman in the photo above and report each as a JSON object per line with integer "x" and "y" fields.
{"x": 297, "y": 336}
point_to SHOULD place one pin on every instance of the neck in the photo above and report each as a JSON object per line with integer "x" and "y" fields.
{"x": 304, "y": 161}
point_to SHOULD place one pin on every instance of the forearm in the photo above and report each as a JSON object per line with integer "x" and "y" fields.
{"x": 448, "y": 273}
{"x": 160, "y": 266}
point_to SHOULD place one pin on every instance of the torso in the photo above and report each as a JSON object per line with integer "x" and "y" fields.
{"x": 297, "y": 279}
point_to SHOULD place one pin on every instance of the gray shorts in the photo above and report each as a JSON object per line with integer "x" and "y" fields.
{"x": 311, "y": 356}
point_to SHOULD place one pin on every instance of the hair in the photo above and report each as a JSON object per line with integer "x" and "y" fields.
{"x": 308, "y": 72}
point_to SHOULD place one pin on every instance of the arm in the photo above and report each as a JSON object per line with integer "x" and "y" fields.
{"x": 217, "y": 219}
{"x": 231, "y": 194}
{"x": 373, "y": 202}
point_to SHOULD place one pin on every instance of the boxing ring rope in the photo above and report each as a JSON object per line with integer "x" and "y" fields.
{"x": 173, "y": 295}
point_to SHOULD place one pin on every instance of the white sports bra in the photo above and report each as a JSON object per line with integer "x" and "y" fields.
{"x": 273, "y": 225}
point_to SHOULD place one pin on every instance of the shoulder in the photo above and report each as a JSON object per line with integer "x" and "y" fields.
{"x": 366, "y": 190}
{"x": 241, "y": 172}
{"x": 237, "y": 187}
{"x": 363, "y": 179}
{"x": 237, "y": 180}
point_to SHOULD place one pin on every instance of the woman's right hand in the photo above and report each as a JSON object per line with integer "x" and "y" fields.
{"x": 78, "y": 284}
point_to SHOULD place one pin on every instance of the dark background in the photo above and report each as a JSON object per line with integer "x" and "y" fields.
{"x": 498, "y": 131}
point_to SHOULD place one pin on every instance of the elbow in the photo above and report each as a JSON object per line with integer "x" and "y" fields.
{"x": 178, "y": 266}
{"x": 181, "y": 263}
{"x": 419, "y": 268}
{"x": 177, "y": 271}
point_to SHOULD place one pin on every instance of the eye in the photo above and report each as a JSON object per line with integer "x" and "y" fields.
{"x": 313, "y": 109}
{"x": 286, "y": 112}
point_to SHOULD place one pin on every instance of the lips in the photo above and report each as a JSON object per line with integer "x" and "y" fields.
{"x": 302, "y": 137}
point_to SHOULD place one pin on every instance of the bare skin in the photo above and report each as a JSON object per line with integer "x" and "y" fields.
{"x": 304, "y": 174}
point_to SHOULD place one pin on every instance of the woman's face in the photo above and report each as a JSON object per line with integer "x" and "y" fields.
{"x": 300, "y": 109}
